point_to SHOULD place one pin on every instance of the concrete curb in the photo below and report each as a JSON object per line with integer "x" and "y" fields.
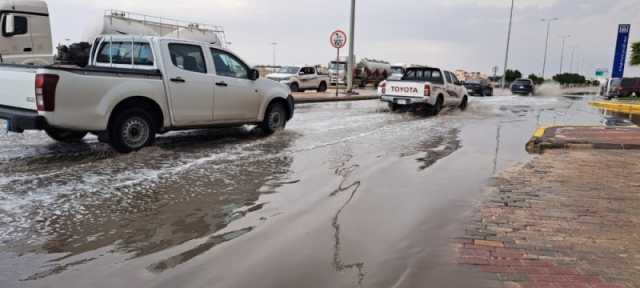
{"x": 544, "y": 138}
{"x": 309, "y": 100}
{"x": 617, "y": 107}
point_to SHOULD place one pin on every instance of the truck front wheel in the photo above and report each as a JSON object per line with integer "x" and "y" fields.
{"x": 65, "y": 136}
{"x": 275, "y": 119}
{"x": 131, "y": 130}
{"x": 322, "y": 87}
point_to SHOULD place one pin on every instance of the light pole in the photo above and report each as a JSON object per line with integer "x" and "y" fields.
{"x": 350, "y": 61}
{"x": 573, "y": 52}
{"x": 564, "y": 39}
{"x": 506, "y": 56}
{"x": 274, "y": 53}
{"x": 546, "y": 45}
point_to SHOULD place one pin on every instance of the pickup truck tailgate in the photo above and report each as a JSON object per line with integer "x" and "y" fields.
{"x": 405, "y": 89}
{"x": 17, "y": 87}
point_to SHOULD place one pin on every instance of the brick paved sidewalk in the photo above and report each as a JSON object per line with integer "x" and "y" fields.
{"x": 567, "y": 219}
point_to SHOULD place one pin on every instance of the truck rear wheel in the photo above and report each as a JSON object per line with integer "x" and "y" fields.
{"x": 65, "y": 136}
{"x": 275, "y": 119}
{"x": 435, "y": 110}
{"x": 464, "y": 104}
{"x": 131, "y": 130}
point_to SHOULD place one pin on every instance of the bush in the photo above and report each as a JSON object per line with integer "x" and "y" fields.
{"x": 635, "y": 53}
{"x": 512, "y": 75}
{"x": 537, "y": 80}
{"x": 570, "y": 78}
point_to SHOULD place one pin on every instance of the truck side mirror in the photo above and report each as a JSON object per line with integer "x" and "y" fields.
{"x": 254, "y": 74}
{"x": 9, "y": 27}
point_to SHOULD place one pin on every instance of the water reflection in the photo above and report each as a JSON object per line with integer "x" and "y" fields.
{"x": 188, "y": 187}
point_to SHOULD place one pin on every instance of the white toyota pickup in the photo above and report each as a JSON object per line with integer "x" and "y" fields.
{"x": 431, "y": 88}
{"x": 138, "y": 86}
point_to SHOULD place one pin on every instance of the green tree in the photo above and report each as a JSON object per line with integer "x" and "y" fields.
{"x": 635, "y": 53}
{"x": 512, "y": 75}
{"x": 570, "y": 78}
{"x": 537, "y": 80}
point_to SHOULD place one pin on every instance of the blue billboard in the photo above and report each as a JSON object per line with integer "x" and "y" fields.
{"x": 622, "y": 45}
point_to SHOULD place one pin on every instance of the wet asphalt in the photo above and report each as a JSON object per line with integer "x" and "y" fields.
{"x": 350, "y": 195}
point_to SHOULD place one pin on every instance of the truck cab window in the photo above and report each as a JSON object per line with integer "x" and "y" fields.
{"x": 228, "y": 65}
{"x": 437, "y": 78}
{"x": 21, "y": 26}
{"x": 448, "y": 76}
{"x": 115, "y": 53}
{"x": 142, "y": 54}
{"x": 188, "y": 57}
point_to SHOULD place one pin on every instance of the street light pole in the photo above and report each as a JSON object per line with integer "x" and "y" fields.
{"x": 506, "y": 57}
{"x": 274, "y": 52}
{"x": 564, "y": 39}
{"x": 546, "y": 45}
{"x": 350, "y": 61}
{"x": 573, "y": 52}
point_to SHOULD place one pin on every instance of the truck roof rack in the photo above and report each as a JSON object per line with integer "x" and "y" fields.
{"x": 125, "y": 22}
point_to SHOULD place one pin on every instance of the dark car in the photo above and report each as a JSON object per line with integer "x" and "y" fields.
{"x": 523, "y": 87}
{"x": 479, "y": 87}
{"x": 627, "y": 88}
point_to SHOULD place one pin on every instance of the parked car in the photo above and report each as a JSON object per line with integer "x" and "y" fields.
{"x": 300, "y": 79}
{"x": 523, "y": 87}
{"x": 137, "y": 86}
{"x": 627, "y": 87}
{"x": 431, "y": 88}
{"x": 479, "y": 87}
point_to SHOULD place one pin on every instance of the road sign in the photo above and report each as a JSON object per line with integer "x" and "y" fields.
{"x": 622, "y": 44}
{"x": 338, "y": 39}
{"x": 601, "y": 72}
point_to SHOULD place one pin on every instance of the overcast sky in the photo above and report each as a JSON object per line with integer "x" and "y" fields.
{"x": 455, "y": 34}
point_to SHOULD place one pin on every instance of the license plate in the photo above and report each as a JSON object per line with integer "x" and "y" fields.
{"x": 403, "y": 102}
{"x": 521, "y": 87}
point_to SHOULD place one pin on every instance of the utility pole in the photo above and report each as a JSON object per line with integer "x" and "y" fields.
{"x": 274, "y": 53}
{"x": 564, "y": 39}
{"x": 506, "y": 56}
{"x": 546, "y": 45}
{"x": 350, "y": 61}
{"x": 573, "y": 52}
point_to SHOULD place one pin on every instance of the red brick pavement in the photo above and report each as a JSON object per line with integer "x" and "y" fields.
{"x": 567, "y": 219}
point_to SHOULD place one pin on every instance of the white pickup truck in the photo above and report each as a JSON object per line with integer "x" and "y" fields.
{"x": 300, "y": 79}
{"x": 138, "y": 86}
{"x": 431, "y": 88}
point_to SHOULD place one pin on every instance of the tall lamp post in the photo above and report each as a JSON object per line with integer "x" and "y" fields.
{"x": 564, "y": 40}
{"x": 275, "y": 44}
{"x": 506, "y": 56}
{"x": 546, "y": 45}
{"x": 350, "y": 61}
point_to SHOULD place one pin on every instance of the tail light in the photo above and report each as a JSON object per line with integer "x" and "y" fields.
{"x": 46, "y": 92}
{"x": 427, "y": 90}
{"x": 383, "y": 87}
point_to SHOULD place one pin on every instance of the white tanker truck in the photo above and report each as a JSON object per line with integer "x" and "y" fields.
{"x": 26, "y": 33}
{"x": 367, "y": 71}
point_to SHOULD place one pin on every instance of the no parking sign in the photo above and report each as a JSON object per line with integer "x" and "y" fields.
{"x": 338, "y": 39}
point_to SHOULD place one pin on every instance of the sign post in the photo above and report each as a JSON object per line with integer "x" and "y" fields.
{"x": 622, "y": 45}
{"x": 338, "y": 40}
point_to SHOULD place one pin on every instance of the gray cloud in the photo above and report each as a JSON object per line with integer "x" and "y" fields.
{"x": 467, "y": 34}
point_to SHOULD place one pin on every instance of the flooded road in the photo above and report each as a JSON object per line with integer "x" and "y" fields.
{"x": 350, "y": 195}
